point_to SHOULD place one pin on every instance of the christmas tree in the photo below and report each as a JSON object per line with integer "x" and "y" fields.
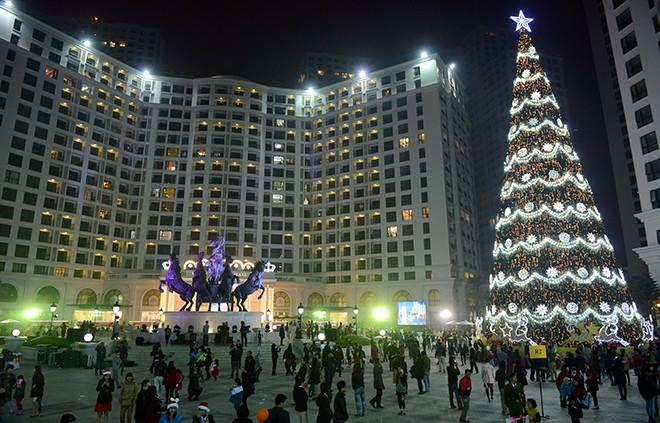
{"x": 554, "y": 273}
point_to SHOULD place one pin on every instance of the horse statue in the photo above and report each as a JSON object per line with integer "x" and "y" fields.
{"x": 253, "y": 283}
{"x": 175, "y": 283}
{"x": 216, "y": 264}
{"x": 207, "y": 292}
{"x": 227, "y": 283}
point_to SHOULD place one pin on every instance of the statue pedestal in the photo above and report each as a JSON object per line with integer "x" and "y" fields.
{"x": 215, "y": 319}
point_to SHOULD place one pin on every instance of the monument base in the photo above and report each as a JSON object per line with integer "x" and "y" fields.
{"x": 197, "y": 319}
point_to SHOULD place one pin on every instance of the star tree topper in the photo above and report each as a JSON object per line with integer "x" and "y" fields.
{"x": 521, "y": 21}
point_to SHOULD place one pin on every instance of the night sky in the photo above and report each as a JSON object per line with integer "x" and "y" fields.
{"x": 265, "y": 40}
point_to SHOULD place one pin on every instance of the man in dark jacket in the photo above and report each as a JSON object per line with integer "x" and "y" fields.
{"x": 452, "y": 381}
{"x": 300, "y": 398}
{"x": 323, "y": 403}
{"x": 341, "y": 412}
{"x": 379, "y": 385}
{"x": 278, "y": 414}
{"x": 648, "y": 389}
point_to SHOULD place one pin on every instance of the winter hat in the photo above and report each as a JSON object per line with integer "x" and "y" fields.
{"x": 174, "y": 403}
{"x": 204, "y": 406}
{"x": 107, "y": 373}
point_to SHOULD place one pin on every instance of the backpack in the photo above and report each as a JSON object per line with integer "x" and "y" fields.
{"x": 567, "y": 388}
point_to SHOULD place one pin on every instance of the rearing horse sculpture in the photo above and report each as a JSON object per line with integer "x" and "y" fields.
{"x": 253, "y": 283}
{"x": 227, "y": 283}
{"x": 175, "y": 283}
{"x": 207, "y": 292}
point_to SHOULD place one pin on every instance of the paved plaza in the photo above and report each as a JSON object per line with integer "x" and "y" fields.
{"x": 73, "y": 390}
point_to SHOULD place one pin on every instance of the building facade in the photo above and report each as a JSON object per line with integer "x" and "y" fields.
{"x": 487, "y": 67}
{"x": 618, "y": 140}
{"x": 360, "y": 192}
{"x": 629, "y": 33}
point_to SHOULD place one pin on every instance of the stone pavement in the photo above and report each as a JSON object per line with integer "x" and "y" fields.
{"x": 73, "y": 390}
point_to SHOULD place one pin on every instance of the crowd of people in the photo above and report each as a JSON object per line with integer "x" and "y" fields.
{"x": 320, "y": 382}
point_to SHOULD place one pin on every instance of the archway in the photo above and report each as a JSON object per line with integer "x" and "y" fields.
{"x": 86, "y": 296}
{"x": 338, "y": 300}
{"x": 113, "y": 296}
{"x": 48, "y": 295}
{"x": 401, "y": 295}
{"x": 151, "y": 298}
{"x": 8, "y": 293}
{"x": 315, "y": 300}
{"x": 367, "y": 299}
{"x": 434, "y": 298}
{"x": 281, "y": 304}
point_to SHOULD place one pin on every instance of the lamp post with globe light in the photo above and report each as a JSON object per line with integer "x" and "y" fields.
{"x": 300, "y": 310}
{"x": 115, "y": 324}
{"x": 53, "y": 310}
{"x": 356, "y": 311}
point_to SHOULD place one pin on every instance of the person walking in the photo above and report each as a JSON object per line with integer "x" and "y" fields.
{"x": 170, "y": 380}
{"x": 300, "y": 398}
{"x": 592, "y": 385}
{"x": 323, "y": 403}
{"x": 100, "y": 358}
{"x": 278, "y": 414}
{"x": 401, "y": 389}
{"x": 127, "y": 398}
{"x": 357, "y": 382}
{"x": 379, "y": 385}
{"x": 103, "y": 406}
{"x": 473, "y": 358}
{"x": 153, "y": 407}
{"x": 441, "y": 355}
{"x": 282, "y": 334}
{"x": 341, "y": 411}
{"x": 426, "y": 365}
{"x": 205, "y": 334}
{"x": 244, "y": 329}
{"x": 514, "y": 397}
{"x": 465, "y": 390}
{"x": 488, "y": 378}
{"x": 620, "y": 377}
{"x": 194, "y": 386}
{"x": 647, "y": 383}
{"x": 141, "y": 401}
{"x": 19, "y": 394}
{"x": 235, "y": 354}
{"x": 37, "y": 390}
{"x": 274, "y": 356}
{"x": 158, "y": 368}
{"x": 452, "y": 383}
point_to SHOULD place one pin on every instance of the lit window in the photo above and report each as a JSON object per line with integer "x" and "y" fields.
{"x": 392, "y": 231}
{"x": 171, "y": 166}
{"x": 278, "y": 160}
{"x": 278, "y": 146}
{"x": 50, "y": 72}
{"x": 278, "y": 186}
{"x": 279, "y": 122}
{"x": 404, "y": 142}
{"x": 169, "y": 192}
{"x": 278, "y": 198}
{"x": 406, "y": 214}
{"x": 421, "y": 138}
{"x": 165, "y": 235}
{"x": 425, "y": 212}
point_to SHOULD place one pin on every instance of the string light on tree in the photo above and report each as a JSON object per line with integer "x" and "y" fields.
{"x": 554, "y": 268}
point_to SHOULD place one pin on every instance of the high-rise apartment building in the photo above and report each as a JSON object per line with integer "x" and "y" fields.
{"x": 321, "y": 69}
{"x": 134, "y": 45}
{"x": 621, "y": 156}
{"x": 487, "y": 68}
{"x": 359, "y": 192}
{"x": 625, "y": 35}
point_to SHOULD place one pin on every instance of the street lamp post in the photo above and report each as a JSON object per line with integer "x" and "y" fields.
{"x": 268, "y": 314}
{"x": 355, "y": 316}
{"x": 300, "y": 310}
{"x": 115, "y": 324}
{"x": 53, "y": 309}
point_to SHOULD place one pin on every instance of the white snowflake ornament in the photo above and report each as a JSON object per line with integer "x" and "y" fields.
{"x": 513, "y": 308}
{"x": 572, "y": 308}
{"x": 591, "y": 237}
{"x": 531, "y": 239}
{"x": 606, "y": 272}
{"x": 604, "y": 307}
{"x": 533, "y": 121}
{"x": 558, "y": 206}
{"x": 583, "y": 272}
{"x": 532, "y": 49}
{"x": 541, "y": 309}
{"x": 507, "y": 212}
{"x": 526, "y": 73}
{"x": 536, "y": 95}
{"x": 552, "y": 272}
{"x": 500, "y": 275}
{"x": 553, "y": 174}
{"x": 625, "y": 307}
{"x": 581, "y": 207}
{"x": 547, "y": 147}
{"x": 522, "y": 152}
{"x": 526, "y": 177}
{"x": 564, "y": 237}
{"x": 529, "y": 207}
{"x": 523, "y": 274}
{"x": 508, "y": 243}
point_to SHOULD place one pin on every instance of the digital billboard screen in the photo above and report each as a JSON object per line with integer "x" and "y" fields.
{"x": 411, "y": 313}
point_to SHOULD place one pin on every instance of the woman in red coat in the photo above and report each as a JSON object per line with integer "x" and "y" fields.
{"x": 170, "y": 380}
